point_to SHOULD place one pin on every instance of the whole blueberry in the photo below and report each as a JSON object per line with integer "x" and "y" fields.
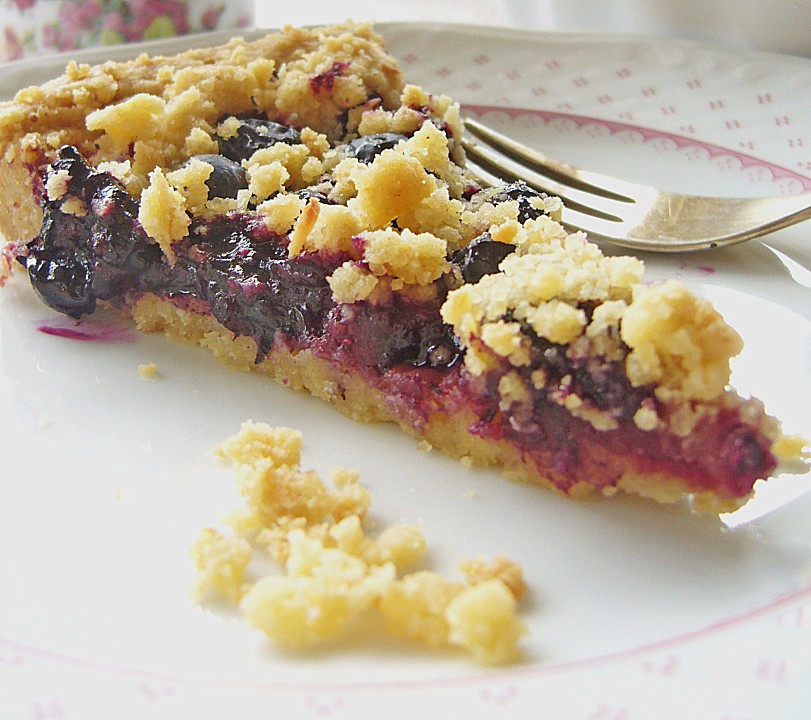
{"x": 440, "y": 352}
{"x": 227, "y": 178}
{"x": 367, "y": 147}
{"x": 256, "y": 134}
{"x": 481, "y": 257}
{"x": 523, "y": 193}
{"x": 307, "y": 193}
{"x": 63, "y": 279}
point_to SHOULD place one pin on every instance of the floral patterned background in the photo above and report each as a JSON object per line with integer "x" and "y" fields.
{"x": 32, "y": 27}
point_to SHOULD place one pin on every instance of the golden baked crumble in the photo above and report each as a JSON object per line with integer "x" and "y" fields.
{"x": 334, "y": 573}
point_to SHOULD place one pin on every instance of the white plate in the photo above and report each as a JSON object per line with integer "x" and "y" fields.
{"x": 635, "y": 610}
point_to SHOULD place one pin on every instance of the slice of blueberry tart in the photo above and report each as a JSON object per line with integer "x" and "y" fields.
{"x": 294, "y": 206}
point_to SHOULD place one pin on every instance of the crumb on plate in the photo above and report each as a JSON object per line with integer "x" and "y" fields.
{"x": 333, "y": 573}
{"x": 149, "y": 371}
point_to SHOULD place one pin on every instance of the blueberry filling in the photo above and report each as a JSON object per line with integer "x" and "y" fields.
{"x": 80, "y": 258}
{"x": 62, "y": 280}
{"x": 233, "y": 263}
{"x": 523, "y": 193}
{"x": 367, "y": 147}
{"x": 227, "y": 177}
{"x": 480, "y": 257}
{"x": 587, "y": 375}
{"x": 311, "y": 193}
{"x": 723, "y": 452}
{"x": 400, "y": 333}
{"x": 254, "y": 134}
{"x": 325, "y": 81}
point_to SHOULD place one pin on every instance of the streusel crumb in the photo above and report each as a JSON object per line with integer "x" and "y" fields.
{"x": 149, "y": 371}
{"x": 678, "y": 340}
{"x": 333, "y": 572}
{"x": 222, "y": 562}
{"x": 162, "y": 213}
{"x": 792, "y": 447}
{"x": 411, "y": 258}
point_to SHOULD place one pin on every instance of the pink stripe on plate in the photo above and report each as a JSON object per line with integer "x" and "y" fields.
{"x": 647, "y": 134}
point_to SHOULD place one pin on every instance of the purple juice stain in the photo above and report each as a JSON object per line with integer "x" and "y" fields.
{"x": 706, "y": 269}
{"x": 87, "y": 332}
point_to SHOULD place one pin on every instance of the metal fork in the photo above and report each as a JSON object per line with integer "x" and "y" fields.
{"x": 624, "y": 213}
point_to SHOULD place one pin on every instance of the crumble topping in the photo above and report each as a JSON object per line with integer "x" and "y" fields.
{"x": 133, "y": 120}
{"x": 324, "y": 227}
{"x": 74, "y": 206}
{"x": 282, "y": 167}
{"x": 162, "y": 213}
{"x": 391, "y": 186}
{"x": 412, "y": 258}
{"x": 646, "y": 418}
{"x": 152, "y": 110}
{"x": 57, "y": 185}
{"x": 334, "y": 573}
{"x": 281, "y": 211}
{"x": 121, "y": 171}
{"x": 222, "y": 564}
{"x": 678, "y": 341}
{"x": 542, "y": 285}
{"x": 409, "y": 116}
{"x": 350, "y": 283}
{"x": 190, "y": 181}
{"x": 792, "y": 448}
{"x": 199, "y": 142}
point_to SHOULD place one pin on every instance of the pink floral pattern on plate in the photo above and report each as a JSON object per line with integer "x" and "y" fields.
{"x": 31, "y": 27}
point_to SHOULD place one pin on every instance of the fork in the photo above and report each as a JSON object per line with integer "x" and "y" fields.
{"x": 624, "y": 213}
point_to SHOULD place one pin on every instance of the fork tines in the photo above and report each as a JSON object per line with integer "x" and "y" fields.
{"x": 495, "y": 158}
{"x": 625, "y": 213}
